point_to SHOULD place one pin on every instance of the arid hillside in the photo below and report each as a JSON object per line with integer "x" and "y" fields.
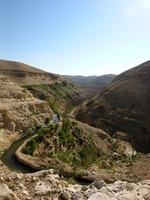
{"x": 14, "y": 66}
{"x": 123, "y": 108}
{"x": 60, "y": 93}
{"x": 74, "y": 149}
{"x": 19, "y": 111}
{"x": 23, "y": 74}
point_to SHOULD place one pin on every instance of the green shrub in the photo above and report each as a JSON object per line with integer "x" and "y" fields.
{"x": 115, "y": 146}
{"x": 64, "y": 133}
{"x": 30, "y": 147}
{"x": 51, "y": 128}
{"x": 76, "y": 162}
{"x": 62, "y": 156}
{"x": 53, "y": 105}
{"x": 40, "y": 137}
{"x": 88, "y": 155}
{"x": 134, "y": 157}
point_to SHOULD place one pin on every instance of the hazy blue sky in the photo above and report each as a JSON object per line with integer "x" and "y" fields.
{"x": 76, "y": 36}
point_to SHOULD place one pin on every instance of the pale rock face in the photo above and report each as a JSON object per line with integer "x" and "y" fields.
{"x": 23, "y": 190}
{"x": 47, "y": 185}
{"x": 6, "y": 193}
{"x": 99, "y": 196}
{"x": 19, "y": 110}
{"x": 42, "y": 188}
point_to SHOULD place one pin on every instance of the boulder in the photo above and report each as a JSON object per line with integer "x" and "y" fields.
{"x": 98, "y": 183}
{"x": 64, "y": 196}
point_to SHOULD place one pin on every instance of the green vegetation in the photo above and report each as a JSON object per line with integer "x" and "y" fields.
{"x": 111, "y": 163}
{"x": 29, "y": 87}
{"x": 30, "y": 147}
{"x": 34, "y": 142}
{"x": 75, "y": 154}
{"x": 70, "y": 180}
{"x": 65, "y": 137}
{"x": 66, "y": 143}
{"x": 61, "y": 96}
{"x": 44, "y": 86}
{"x": 115, "y": 146}
{"x": 88, "y": 155}
{"x": 53, "y": 105}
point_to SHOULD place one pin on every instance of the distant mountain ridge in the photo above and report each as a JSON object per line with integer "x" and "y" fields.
{"x": 93, "y": 82}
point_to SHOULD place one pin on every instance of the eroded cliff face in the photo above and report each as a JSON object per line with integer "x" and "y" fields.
{"x": 23, "y": 74}
{"x": 60, "y": 92}
{"x": 19, "y": 110}
{"x": 31, "y": 78}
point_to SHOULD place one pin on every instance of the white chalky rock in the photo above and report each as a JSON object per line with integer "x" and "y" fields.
{"x": 42, "y": 188}
{"x": 6, "y": 193}
{"x": 23, "y": 190}
{"x": 100, "y": 196}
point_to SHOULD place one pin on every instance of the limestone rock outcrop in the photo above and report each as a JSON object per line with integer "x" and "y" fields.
{"x": 47, "y": 185}
{"x": 19, "y": 110}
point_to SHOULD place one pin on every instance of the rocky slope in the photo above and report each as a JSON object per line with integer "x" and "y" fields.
{"x": 47, "y": 185}
{"x": 69, "y": 147}
{"x": 60, "y": 93}
{"x": 80, "y": 152}
{"x": 123, "y": 106}
{"x": 62, "y": 97}
{"x": 19, "y": 110}
{"x": 75, "y": 149}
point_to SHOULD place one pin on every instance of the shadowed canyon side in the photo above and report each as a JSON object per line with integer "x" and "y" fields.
{"x": 124, "y": 106}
